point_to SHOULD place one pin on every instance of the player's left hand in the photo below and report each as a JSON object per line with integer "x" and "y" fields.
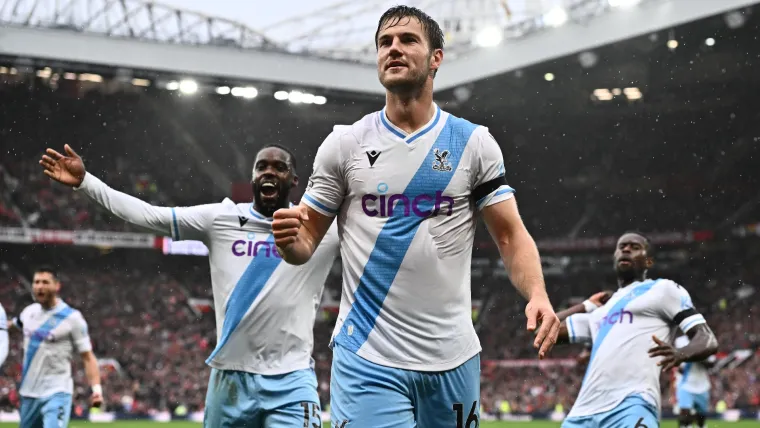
{"x": 96, "y": 399}
{"x": 540, "y": 312}
{"x": 672, "y": 357}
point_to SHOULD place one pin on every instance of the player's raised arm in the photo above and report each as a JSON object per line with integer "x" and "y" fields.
{"x": 179, "y": 223}
{"x": 299, "y": 230}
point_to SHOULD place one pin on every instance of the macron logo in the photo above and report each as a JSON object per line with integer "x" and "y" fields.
{"x": 242, "y": 220}
{"x": 372, "y": 156}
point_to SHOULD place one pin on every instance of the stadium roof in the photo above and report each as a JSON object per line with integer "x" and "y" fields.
{"x": 140, "y": 35}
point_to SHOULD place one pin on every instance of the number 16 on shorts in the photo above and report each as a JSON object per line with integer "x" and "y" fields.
{"x": 469, "y": 421}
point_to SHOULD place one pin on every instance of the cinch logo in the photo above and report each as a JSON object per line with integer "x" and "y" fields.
{"x": 400, "y": 205}
{"x": 242, "y": 248}
{"x": 616, "y": 317}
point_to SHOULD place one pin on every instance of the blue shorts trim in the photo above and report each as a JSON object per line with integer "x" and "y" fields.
{"x": 691, "y": 401}
{"x": 53, "y": 411}
{"x": 364, "y": 394}
{"x": 241, "y": 399}
{"x": 634, "y": 411}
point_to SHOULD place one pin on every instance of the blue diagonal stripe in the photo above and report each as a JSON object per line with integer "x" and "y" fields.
{"x": 685, "y": 374}
{"x": 38, "y": 336}
{"x": 619, "y": 306}
{"x": 248, "y": 287}
{"x": 397, "y": 234}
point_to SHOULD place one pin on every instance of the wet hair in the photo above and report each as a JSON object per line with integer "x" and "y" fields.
{"x": 394, "y": 15}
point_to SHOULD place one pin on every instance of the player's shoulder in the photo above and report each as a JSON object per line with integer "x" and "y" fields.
{"x": 463, "y": 125}
{"x": 668, "y": 285}
{"x": 32, "y": 309}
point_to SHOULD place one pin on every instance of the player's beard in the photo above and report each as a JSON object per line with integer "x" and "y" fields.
{"x": 632, "y": 273}
{"x": 267, "y": 208}
{"x": 411, "y": 85}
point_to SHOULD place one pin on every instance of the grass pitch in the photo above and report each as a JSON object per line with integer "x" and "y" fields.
{"x": 535, "y": 424}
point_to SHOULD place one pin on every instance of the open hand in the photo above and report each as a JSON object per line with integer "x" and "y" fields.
{"x": 672, "y": 357}
{"x": 540, "y": 311}
{"x": 68, "y": 170}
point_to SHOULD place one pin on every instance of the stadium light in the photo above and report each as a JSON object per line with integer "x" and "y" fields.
{"x": 602, "y": 94}
{"x": 555, "y": 17}
{"x": 70, "y": 76}
{"x": 549, "y": 77}
{"x": 632, "y": 93}
{"x": 320, "y": 100}
{"x": 188, "y": 86}
{"x": 247, "y": 92}
{"x": 295, "y": 97}
{"x": 710, "y": 41}
{"x": 140, "y": 82}
{"x": 623, "y": 3}
{"x": 281, "y": 95}
{"x": 489, "y": 37}
{"x": 172, "y": 86}
{"x": 616, "y": 92}
{"x": 223, "y": 90}
{"x": 672, "y": 44}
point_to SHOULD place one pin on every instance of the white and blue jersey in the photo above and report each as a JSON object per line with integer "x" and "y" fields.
{"x": 406, "y": 207}
{"x": 3, "y": 336}
{"x": 692, "y": 382}
{"x": 51, "y": 338}
{"x": 621, "y": 331}
{"x": 265, "y": 308}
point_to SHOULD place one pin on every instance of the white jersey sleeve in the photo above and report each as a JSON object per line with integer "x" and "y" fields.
{"x": 490, "y": 183}
{"x": 327, "y": 184}
{"x": 3, "y": 336}
{"x": 179, "y": 223}
{"x": 579, "y": 328}
{"x": 676, "y": 306}
{"x": 80, "y": 336}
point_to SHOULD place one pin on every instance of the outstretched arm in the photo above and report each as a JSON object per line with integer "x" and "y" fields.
{"x": 702, "y": 344}
{"x": 69, "y": 170}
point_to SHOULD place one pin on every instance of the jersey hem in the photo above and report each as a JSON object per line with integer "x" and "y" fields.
{"x": 605, "y": 409}
{"x": 421, "y": 367}
{"x": 318, "y": 206}
{"x": 48, "y": 393}
{"x": 259, "y": 370}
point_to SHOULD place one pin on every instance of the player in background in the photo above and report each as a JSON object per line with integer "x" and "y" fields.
{"x": 53, "y": 331}
{"x": 406, "y": 184}
{"x": 621, "y": 388}
{"x": 693, "y": 389}
{"x": 3, "y": 336}
{"x": 262, "y": 371}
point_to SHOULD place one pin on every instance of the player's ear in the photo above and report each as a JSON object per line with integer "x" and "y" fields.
{"x": 436, "y": 58}
{"x": 295, "y": 182}
{"x": 650, "y": 262}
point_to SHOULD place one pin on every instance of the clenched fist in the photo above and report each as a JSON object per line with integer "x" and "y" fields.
{"x": 286, "y": 225}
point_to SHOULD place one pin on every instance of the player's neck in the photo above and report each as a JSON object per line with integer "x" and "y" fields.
{"x": 624, "y": 282}
{"x": 410, "y": 112}
{"x": 53, "y": 304}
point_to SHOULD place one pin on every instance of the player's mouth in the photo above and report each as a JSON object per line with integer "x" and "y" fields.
{"x": 269, "y": 190}
{"x": 395, "y": 65}
{"x": 625, "y": 262}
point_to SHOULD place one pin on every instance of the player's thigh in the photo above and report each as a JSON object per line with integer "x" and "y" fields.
{"x": 231, "y": 401}
{"x": 364, "y": 394}
{"x": 450, "y": 398}
{"x": 56, "y": 411}
{"x": 297, "y": 415}
{"x": 31, "y": 412}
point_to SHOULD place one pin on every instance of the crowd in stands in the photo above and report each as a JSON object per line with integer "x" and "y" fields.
{"x": 153, "y": 344}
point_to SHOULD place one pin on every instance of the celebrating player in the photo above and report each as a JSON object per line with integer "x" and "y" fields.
{"x": 406, "y": 184}
{"x": 693, "y": 389}
{"x": 262, "y": 371}
{"x": 622, "y": 383}
{"x": 52, "y": 331}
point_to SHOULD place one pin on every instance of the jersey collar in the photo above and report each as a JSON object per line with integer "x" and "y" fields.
{"x": 257, "y": 215}
{"x": 410, "y": 138}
